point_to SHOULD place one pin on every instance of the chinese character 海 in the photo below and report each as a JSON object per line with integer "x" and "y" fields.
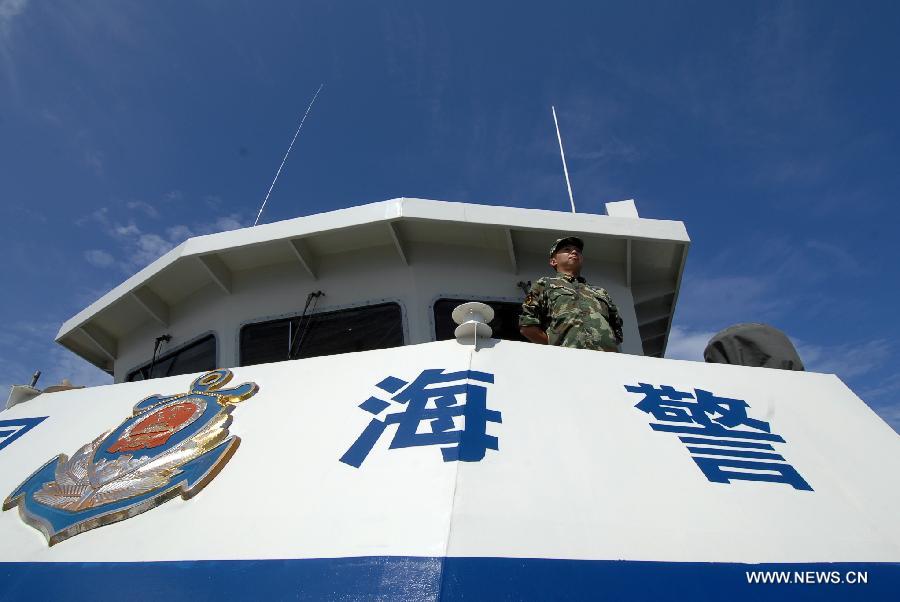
{"x": 430, "y": 403}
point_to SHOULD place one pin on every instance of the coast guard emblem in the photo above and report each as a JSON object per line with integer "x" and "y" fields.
{"x": 172, "y": 444}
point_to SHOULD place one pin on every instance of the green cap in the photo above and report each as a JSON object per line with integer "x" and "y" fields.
{"x": 568, "y": 240}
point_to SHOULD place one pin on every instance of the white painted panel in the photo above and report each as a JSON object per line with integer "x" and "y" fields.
{"x": 579, "y": 472}
{"x": 284, "y": 494}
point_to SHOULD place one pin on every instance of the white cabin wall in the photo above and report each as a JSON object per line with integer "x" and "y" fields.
{"x": 357, "y": 278}
{"x": 347, "y": 279}
{"x": 197, "y": 315}
{"x": 449, "y": 270}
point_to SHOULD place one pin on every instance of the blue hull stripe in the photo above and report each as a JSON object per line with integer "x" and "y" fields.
{"x": 445, "y": 579}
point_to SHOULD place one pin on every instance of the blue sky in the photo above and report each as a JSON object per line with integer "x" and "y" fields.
{"x": 769, "y": 128}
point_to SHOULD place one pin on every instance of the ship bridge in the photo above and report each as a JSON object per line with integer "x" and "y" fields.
{"x": 389, "y": 274}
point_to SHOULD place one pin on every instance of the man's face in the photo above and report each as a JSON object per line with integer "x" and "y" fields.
{"x": 567, "y": 259}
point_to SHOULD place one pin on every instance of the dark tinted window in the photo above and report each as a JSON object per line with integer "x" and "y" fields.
{"x": 343, "y": 331}
{"x": 505, "y": 323}
{"x": 199, "y": 356}
{"x": 265, "y": 342}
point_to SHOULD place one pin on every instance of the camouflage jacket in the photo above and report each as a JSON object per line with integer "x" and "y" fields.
{"x": 573, "y": 313}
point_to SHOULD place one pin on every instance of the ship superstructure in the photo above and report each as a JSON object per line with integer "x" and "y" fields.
{"x": 397, "y": 267}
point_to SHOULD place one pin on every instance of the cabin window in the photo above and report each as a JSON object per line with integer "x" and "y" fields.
{"x": 505, "y": 323}
{"x": 326, "y": 333}
{"x": 199, "y": 356}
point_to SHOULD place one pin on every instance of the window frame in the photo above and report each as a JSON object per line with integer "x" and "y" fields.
{"x": 178, "y": 349}
{"x": 404, "y": 330}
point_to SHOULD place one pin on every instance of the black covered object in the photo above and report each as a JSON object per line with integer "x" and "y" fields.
{"x": 757, "y": 345}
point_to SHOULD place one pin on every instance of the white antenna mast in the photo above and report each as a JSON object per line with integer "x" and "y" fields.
{"x": 277, "y": 173}
{"x": 563, "y": 155}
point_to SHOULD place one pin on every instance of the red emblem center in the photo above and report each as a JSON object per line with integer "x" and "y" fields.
{"x": 155, "y": 430}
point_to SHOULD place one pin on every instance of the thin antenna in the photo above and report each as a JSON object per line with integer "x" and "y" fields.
{"x": 277, "y": 173}
{"x": 563, "y": 155}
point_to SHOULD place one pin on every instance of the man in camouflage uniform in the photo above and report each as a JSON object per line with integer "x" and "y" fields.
{"x": 564, "y": 310}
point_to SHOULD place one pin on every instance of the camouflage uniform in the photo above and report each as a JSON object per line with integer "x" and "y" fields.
{"x": 573, "y": 313}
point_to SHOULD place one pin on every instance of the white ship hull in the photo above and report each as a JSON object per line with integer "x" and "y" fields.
{"x": 583, "y": 497}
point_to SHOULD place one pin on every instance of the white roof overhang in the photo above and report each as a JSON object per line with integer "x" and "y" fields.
{"x": 652, "y": 253}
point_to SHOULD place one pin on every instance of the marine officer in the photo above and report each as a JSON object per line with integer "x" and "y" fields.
{"x": 565, "y": 310}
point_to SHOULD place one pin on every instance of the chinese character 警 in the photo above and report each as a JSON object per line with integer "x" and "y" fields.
{"x": 709, "y": 426}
